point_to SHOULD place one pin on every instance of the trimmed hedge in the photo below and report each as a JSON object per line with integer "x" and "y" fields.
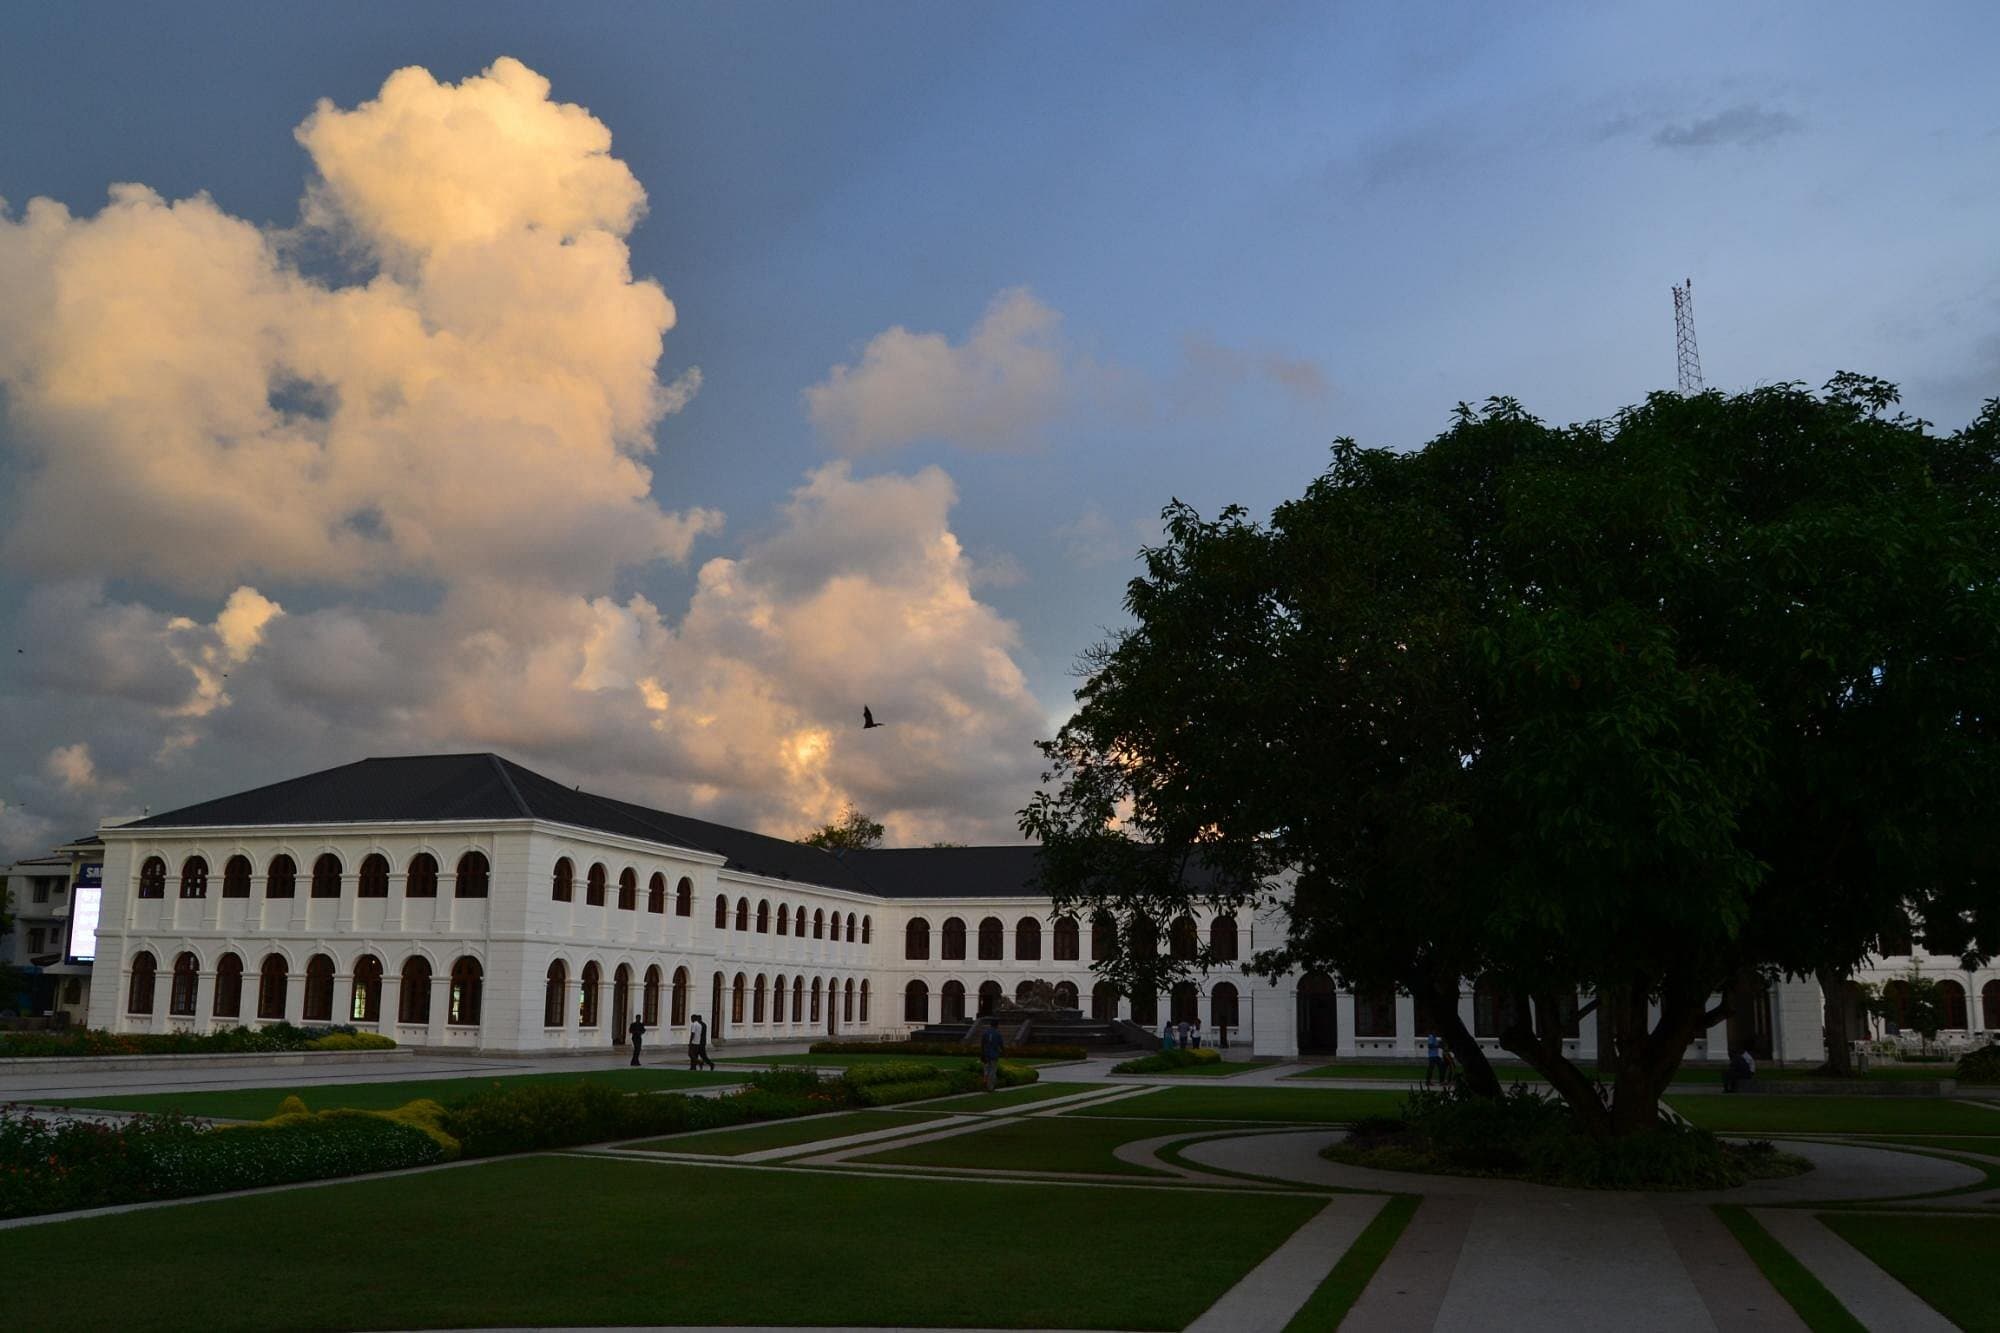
{"x": 228, "y": 1041}
{"x": 1024, "y": 1051}
{"x": 1163, "y": 1061}
{"x": 895, "y": 1081}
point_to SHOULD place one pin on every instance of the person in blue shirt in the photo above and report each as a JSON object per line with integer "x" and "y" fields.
{"x": 989, "y": 1054}
{"x": 1433, "y": 1059}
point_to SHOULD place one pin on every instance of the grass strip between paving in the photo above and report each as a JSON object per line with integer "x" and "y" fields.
{"x": 1335, "y": 1296}
{"x": 1818, "y": 1307}
{"x": 1946, "y": 1261}
{"x": 785, "y": 1133}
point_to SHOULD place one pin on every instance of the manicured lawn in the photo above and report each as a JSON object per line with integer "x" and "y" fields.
{"x": 848, "y": 1061}
{"x": 1215, "y": 1069}
{"x": 1837, "y": 1115}
{"x": 1343, "y": 1286}
{"x": 1047, "y": 1143}
{"x": 260, "y": 1103}
{"x": 1806, "y": 1294}
{"x": 785, "y": 1133}
{"x": 1330, "y": 1106}
{"x": 1006, "y": 1097}
{"x": 1389, "y": 1072}
{"x": 1943, "y": 1143}
{"x": 1946, "y": 1260}
{"x": 586, "y": 1241}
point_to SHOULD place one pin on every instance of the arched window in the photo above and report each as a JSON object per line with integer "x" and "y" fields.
{"x": 951, "y": 1002}
{"x": 374, "y": 879}
{"x": 1222, "y": 945}
{"x": 187, "y": 976}
{"x": 194, "y": 878}
{"x": 1066, "y": 997}
{"x": 992, "y": 939}
{"x": 784, "y": 918}
{"x": 1489, "y": 1009}
{"x": 272, "y": 979}
{"x": 1065, "y": 947}
{"x": 467, "y": 979}
{"x": 715, "y": 1006}
{"x": 656, "y": 894}
{"x": 757, "y": 1001}
{"x": 1103, "y": 1002}
{"x": 1182, "y": 939}
{"x": 471, "y": 880}
{"x": 281, "y": 878}
{"x": 1145, "y": 942}
{"x": 144, "y": 969}
{"x": 1028, "y": 939}
{"x": 1103, "y": 937}
{"x": 799, "y": 921}
{"x": 591, "y": 982}
{"x": 680, "y": 1009}
{"x": 593, "y": 886}
{"x": 621, "y": 1003}
{"x": 684, "y": 897}
{"x": 649, "y": 1004}
{"x": 1222, "y": 1003}
{"x": 815, "y": 1000}
{"x": 1989, "y": 1006}
{"x": 819, "y": 924}
{"x": 236, "y": 877}
{"x": 413, "y": 999}
{"x": 798, "y": 996}
{"x": 555, "y": 994}
{"x": 864, "y": 1000}
{"x": 917, "y": 938}
{"x": 1145, "y": 1006}
{"x": 319, "y": 989}
{"x": 421, "y": 881}
{"x": 326, "y": 876}
{"x": 847, "y": 1002}
{"x": 1375, "y": 1012}
{"x": 764, "y": 916}
{"x": 989, "y": 998}
{"x": 743, "y": 914}
{"x": 916, "y": 1003}
{"x": 722, "y": 912}
{"x": 364, "y": 1003}
{"x": 152, "y": 883}
{"x": 778, "y": 999}
{"x": 563, "y": 887}
{"x": 850, "y": 927}
{"x": 1950, "y": 1004}
{"x": 736, "y": 994}
{"x": 951, "y": 940}
{"x": 628, "y": 890}
{"x": 228, "y": 1001}
{"x": 865, "y": 931}
{"x": 1186, "y": 1003}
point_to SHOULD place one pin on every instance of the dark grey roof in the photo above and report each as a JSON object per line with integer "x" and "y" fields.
{"x": 448, "y": 787}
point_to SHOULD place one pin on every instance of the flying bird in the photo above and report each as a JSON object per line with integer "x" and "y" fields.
{"x": 868, "y": 718}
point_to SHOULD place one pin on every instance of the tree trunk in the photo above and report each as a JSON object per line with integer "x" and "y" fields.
{"x": 1833, "y": 1000}
{"x": 1474, "y": 1069}
{"x": 1542, "y": 1049}
{"x": 1640, "y": 1055}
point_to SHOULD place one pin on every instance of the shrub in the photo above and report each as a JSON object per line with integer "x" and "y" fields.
{"x": 1981, "y": 1066}
{"x": 423, "y": 1115}
{"x": 227, "y": 1041}
{"x": 352, "y": 1041}
{"x": 895, "y": 1081}
{"x": 1162, "y": 1061}
{"x": 1025, "y": 1051}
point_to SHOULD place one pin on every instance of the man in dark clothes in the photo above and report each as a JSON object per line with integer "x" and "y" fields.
{"x": 638, "y": 1034}
{"x": 698, "y": 1044}
{"x": 989, "y": 1055}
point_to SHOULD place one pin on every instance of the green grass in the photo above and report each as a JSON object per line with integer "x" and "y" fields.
{"x": 1805, "y": 1293}
{"x": 261, "y": 1103}
{"x": 849, "y": 1061}
{"x": 1328, "y": 1305}
{"x": 1836, "y": 1115}
{"x": 1413, "y": 1072}
{"x": 1948, "y": 1261}
{"x": 1942, "y": 1142}
{"x": 785, "y": 1133}
{"x": 589, "y": 1241}
{"x": 1285, "y": 1105}
{"x": 1008, "y": 1097}
{"x": 1213, "y": 1069}
{"x": 1046, "y": 1143}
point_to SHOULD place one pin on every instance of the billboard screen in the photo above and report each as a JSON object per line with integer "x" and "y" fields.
{"x": 84, "y": 907}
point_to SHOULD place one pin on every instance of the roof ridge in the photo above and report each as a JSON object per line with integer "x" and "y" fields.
{"x": 507, "y": 780}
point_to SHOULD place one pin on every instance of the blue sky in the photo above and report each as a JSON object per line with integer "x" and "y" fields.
{"x": 1249, "y": 231}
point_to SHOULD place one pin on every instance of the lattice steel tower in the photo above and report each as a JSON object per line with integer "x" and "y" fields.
{"x": 1684, "y": 349}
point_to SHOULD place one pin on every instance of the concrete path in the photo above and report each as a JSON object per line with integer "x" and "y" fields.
{"x": 1870, "y": 1295}
{"x": 1272, "y": 1292}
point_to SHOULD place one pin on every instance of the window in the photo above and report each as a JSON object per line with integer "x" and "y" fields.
{"x": 1145, "y": 941}
{"x": 562, "y": 887}
{"x": 1375, "y": 1012}
{"x": 1490, "y": 1009}
{"x": 364, "y": 1000}
{"x": 1989, "y": 1005}
{"x": 757, "y": 1000}
{"x": 819, "y": 924}
{"x": 1186, "y": 1003}
{"x": 555, "y": 994}
{"x": 144, "y": 966}
{"x": 621, "y": 1003}
{"x": 1145, "y": 1007}
{"x": 1067, "y": 942}
{"x": 272, "y": 980}
{"x": 656, "y": 897}
{"x": 778, "y": 999}
{"x": 715, "y": 1006}
{"x": 815, "y": 1000}
{"x": 992, "y": 939}
{"x": 951, "y": 1002}
{"x": 850, "y": 927}
{"x": 187, "y": 976}
{"x": 467, "y": 979}
{"x": 152, "y": 883}
{"x": 628, "y": 890}
{"x": 194, "y": 878}
{"x": 684, "y": 897}
{"x": 1181, "y": 939}
{"x": 989, "y": 998}
{"x": 917, "y": 938}
{"x": 319, "y": 989}
{"x": 1222, "y": 944}
{"x": 680, "y": 1009}
{"x": 421, "y": 881}
{"x": 951, "y": 943}
{"x": 586, "y": 1002}
{"x": 593, "y": 890}
{"x": 413, "y": 1003}
{"x": 743, "y": 914}
{"x": 764, "y": 917}
{"x": 864, "y": 1001}
{"x": 326, "y": 876}
{"x": 35, "y": 935}
{"x": 281, "y": 878}
{"x": 374, "y": 879}
{"x": 865, "y": 931}
{"x": 1951, "y": 1004}
{"x": 1028, "y": 939}
{"x": 722, "y": 912}
{"x": 228, "y": 1002}
{"x": 236, "y": 877}
{"x": 1222, "y": 1000}
{"x": 1066, "y": 995}
{"x": 42, "y": 887}
{"x": 471, "y": 879}
{"x": 799, "y": 921}
{"x": 1103, "y": 937}
{"x": 784, "y": 919}
{"x": 1103, "y": 1002}
{"x": 736, "y": 1001}
{"x": 847, "y": 1002}
{"x": 650, "y": 1005}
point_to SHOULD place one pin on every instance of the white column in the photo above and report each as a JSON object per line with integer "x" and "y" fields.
{"x": 1343, "y": 1021}
{"x": 1406, "y": 1025}
{"x": 1277, "y": 1032}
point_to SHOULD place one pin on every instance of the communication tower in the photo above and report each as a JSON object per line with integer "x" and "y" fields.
{"x": 1689, "y": 360}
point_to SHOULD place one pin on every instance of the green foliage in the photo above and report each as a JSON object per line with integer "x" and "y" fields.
{"x": 228, "y": 1041}
{"x": 352, "y": 1041}
{"x": 1161, "y": 1062}
{"x": 888, "y": 1082}
{"x": 1981, "y": 1066}
{"x": 422, "y": 1114}
{"x": 851, "y": 832}
{"x": 1023, "y": 1051}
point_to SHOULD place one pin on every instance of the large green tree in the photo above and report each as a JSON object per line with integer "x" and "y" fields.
{"x": 1640, "y": 711}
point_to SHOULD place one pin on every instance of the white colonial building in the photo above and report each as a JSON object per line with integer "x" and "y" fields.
{"x": 462, "y": 901}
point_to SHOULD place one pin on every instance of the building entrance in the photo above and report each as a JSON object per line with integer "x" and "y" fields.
{"x": 1319, "y": 1030}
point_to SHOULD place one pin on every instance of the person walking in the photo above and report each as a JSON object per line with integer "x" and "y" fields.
{"x": 1166, "y": 1036}
{"x": 698, "y": 1045}
{"x": 989, "y": 1055}
{"x": 1433, "y": 1059}
{"x": 638, "y": 1034}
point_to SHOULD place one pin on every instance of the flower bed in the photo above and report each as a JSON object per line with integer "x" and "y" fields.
{"x": 1024, "y": 1051}
{"x": 274, "y": 1037}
